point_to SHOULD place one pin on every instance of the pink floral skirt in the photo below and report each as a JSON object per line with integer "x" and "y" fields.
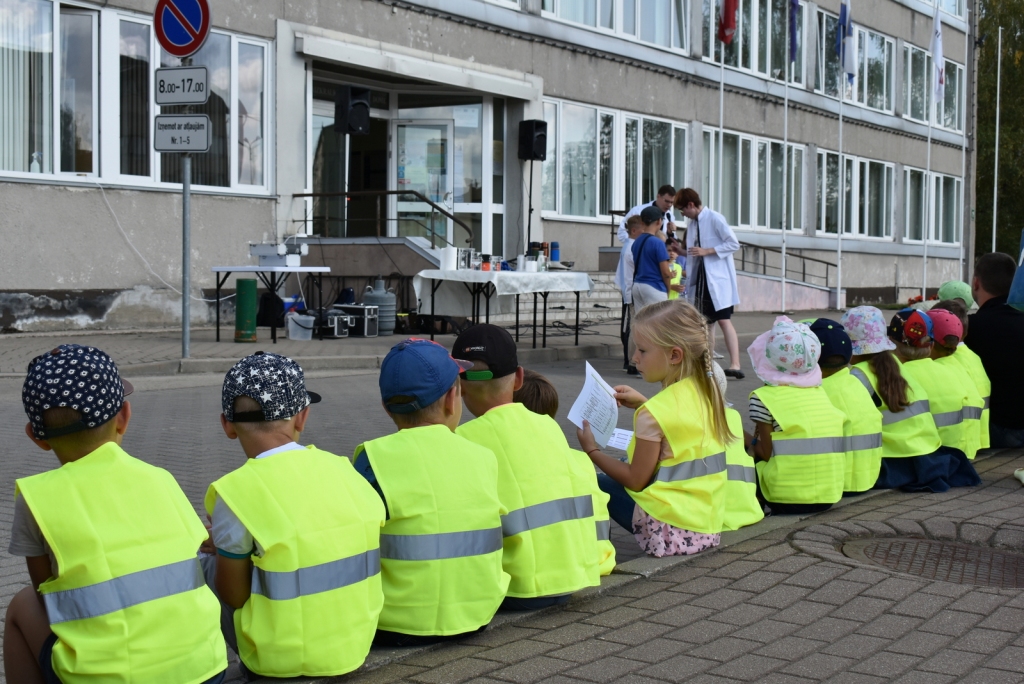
{"x": 661, "y": 539}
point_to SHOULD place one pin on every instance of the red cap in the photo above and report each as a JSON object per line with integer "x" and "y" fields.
{"x": 945, "y": 325}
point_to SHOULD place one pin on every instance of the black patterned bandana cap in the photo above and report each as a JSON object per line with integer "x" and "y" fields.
{"x": 84, "y": 379}
{"x": 275, "y": 382}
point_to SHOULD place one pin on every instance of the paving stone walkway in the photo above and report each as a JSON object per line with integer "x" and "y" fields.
{"x": 782, "y": 606}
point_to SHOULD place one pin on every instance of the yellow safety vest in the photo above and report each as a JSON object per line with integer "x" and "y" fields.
{"x": 688, "y": 490}
{"x": 129, "y": 602}
{"x": 971, "y": 362}
{"x": 603, "y": 523}
{"x": 549, "y": 547}
{"x": 947, "y": 396}
{"x": 741, "y": 505}
{"x": 974, "y": 406}
{"x": 862, "y": 430}
{"x": 677, "y": 277}
{"x": 910, "y": 432}
{"x": 316, "y": 591}
{"x": 808, "y": 460}
{"x": 440, "y": 550}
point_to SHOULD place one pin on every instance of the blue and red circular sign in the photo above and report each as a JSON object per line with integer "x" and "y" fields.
{"x": 182, "y": 25}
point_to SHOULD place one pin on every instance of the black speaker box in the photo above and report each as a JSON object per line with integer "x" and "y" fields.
{"x": 352, "y": 110}
{"x": 533, "y": 140}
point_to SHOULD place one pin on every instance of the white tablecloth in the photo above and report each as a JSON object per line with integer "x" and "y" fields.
{"x": 453, "y": 299}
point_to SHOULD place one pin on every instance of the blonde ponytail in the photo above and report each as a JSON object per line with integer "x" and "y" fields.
{"x": 675, "y": 323}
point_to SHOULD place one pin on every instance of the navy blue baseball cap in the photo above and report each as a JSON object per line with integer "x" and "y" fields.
{"x": 651, "y": 215}
{"x": 420, "y": 371}
{"x": 83, "y": 379}
{"x": 834, "y": 340}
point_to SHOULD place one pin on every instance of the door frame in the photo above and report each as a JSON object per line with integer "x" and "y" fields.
{"x": 393, "y": 158}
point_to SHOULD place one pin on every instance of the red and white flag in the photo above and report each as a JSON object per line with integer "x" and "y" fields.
{"x": 727, "y": 20}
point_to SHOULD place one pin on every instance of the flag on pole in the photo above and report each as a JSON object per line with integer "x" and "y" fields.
{"x": 794, "y": 14}
{"x": 846, "y": 45}
{"x": 727, "y": 20}
{"x": 937, "y": 57}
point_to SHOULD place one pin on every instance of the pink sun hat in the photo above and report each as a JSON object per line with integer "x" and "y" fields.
{"x": 787, "y": 355}
{"x": 867, "y": 330}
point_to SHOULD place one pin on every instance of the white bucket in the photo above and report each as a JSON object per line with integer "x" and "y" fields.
{"x": 300, "y": 327}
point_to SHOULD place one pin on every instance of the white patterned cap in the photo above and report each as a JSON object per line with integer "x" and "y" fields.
{"x": 71, "y": 376}
{"x": 275, "y": 382}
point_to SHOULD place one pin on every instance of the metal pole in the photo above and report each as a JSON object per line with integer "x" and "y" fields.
{"x": 842, "y": 195}
{"x": 995, "y": 179}
{"x": 186, "y": 248}
{"x": 721, "y": 125}
{"x": 928, "y": 203}
{"x": 785, "y": 168}
{"x": 963, "y": 155}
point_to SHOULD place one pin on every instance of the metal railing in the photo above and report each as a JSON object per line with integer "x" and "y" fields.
{"x": 755, "y": 259}
{"x": 381, "y": 213}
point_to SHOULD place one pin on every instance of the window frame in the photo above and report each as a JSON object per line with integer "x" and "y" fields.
{"x": 106, "y": 116}
{"x": 756, "y": 50}
{"x": 620, "y": 173}
{"x": 855, "y": 228}
{"x": 617, "y": 28}
{"x": 933, "y": 107}
{"x": 934, "y": 203}
{"x": 859, "y": 87}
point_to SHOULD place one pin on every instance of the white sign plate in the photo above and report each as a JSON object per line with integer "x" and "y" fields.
{"x": 181, "y": 85}
{"x": 182, "y": 133}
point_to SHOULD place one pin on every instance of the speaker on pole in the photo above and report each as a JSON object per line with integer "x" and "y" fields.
{"x": 533, "y": 140}
{"x": 352, "y": 110}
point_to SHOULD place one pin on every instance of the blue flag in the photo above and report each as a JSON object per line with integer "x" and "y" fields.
{"x": 794, "y": 13}
{"x": 846, "y": 45}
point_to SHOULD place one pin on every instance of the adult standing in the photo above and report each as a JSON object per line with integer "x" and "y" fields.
{"x": 663, "y": 201}
{"x": 624, "y": 281}
{"x": 710, "y": 272}
{"x": 996, "y": 334}
{"x": 652, "y": 273}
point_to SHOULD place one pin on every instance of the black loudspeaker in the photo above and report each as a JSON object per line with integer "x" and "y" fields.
{"x": 352, "y": 110}
{"x": 533, "y": 140}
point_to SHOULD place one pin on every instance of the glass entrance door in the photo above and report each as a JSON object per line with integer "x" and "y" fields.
{"x": 423, "y": 162}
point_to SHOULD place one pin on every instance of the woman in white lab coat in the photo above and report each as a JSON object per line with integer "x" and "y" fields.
{"x": 710, "y": 271}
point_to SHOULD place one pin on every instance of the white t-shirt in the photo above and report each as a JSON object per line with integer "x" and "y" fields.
{"x": 27, "y": 539}
{"x": 230, "y": 536}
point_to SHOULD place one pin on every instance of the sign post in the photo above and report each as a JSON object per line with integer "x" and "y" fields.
{"x": 181, "y": 27}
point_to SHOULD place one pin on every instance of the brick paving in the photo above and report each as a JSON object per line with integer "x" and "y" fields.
{"x": 776, "y": 603}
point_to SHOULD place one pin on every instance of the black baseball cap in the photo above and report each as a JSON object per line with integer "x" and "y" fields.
{"x": 490, "y": 344}
{"x": 834, "y": 340}
{"x": 275, "y": 382}
{"x": 651, "y": 214}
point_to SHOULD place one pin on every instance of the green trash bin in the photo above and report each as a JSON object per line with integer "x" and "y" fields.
{"x": 245, "y": 310}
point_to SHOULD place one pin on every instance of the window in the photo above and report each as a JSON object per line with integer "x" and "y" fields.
{"x": 954, "y": 7}
{"x": 26, "y": 108}
{"x": 135, "y": 46}
{"x": 868, "y": 200}
{"x": 918, "y": 89}
{"x": 752, "y": 197}
{"x": 580, "y": 175}
{"x": 945, "y": 215}
{"x": 872, "y": 85}
{"x": 760, "y": 41}
{"x": 661, "y": 22}
{"x": 78, "y": 105}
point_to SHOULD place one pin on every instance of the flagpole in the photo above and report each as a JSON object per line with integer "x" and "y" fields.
{"x": 842, "y": 194}
{"x": 721, "y": 124}
{"x": 963, "y": 153}
{"x": 785, "y": 162}
{"x": 995, "y": 180}
{"x": 929, "y": 209}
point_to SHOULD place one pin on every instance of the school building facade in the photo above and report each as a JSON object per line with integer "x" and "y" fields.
{"x": 91, "y": 214}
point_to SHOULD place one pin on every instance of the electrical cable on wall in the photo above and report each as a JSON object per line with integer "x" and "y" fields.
{"x": 149, "y": 266}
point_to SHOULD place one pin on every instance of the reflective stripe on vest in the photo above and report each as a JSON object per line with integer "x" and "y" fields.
{"x": 859, "y": 374}
{"x": 547, "y": 513}
{"x": 740, "y": 473}
{"x": 316, "y": 579}
{"x": 604, "y": 530}
{"x": 808, "y": 446}
{"x": 972, "y": 412}
{"x": 949, "y": 419}
{"x": 988, "y": 402}
{"x": 428, "y": 547}
{"x": 915, "y": 409}
{"x": 863, "y": 442}
{"x": 688, "y": 470}
{"x": 124, "y": 592}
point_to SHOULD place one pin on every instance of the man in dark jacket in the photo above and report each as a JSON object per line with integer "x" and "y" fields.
{"x": 996, "y": 334}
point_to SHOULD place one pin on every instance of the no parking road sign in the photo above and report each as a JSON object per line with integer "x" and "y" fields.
{"x": 181, "y": 26}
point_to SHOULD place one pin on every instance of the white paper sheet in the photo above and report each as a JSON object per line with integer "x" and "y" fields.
{"x": 620, "y": 439}
{"x": 596, "y": 404}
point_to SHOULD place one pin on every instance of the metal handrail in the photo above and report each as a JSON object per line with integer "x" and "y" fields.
{"x": 384, "y": 193}
{"x": 789, "y": 255}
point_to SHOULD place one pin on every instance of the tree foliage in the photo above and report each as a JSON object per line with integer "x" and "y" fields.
{"x": 1010, "y": 15}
